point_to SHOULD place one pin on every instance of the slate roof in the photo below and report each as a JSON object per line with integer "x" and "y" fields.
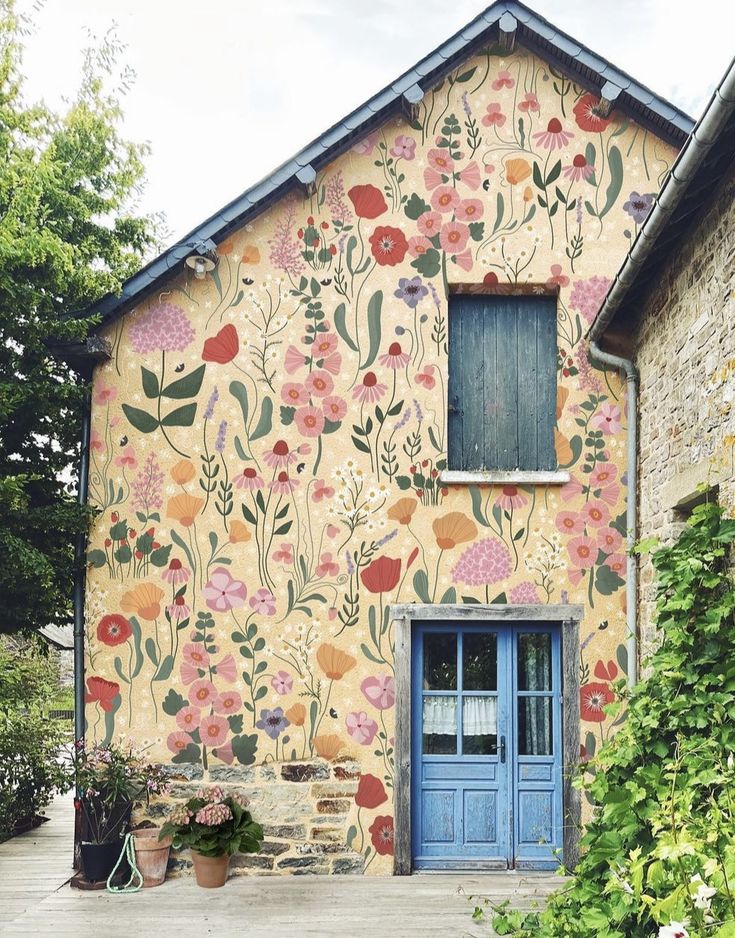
{"x": 532, "y": 31}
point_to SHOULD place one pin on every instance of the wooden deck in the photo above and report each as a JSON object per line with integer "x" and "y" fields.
{"x": 36, "y": 900}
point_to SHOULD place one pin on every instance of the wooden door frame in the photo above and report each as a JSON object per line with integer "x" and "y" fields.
{"x": 564, "y": 614}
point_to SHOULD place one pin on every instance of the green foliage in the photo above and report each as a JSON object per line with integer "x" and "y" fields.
{"x": 68, "y": 235}
{"x": 214, "y": 824}
{"x": 661, "y": 843}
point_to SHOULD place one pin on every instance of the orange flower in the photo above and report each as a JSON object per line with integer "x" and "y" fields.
{"x": 328, "y": 747}
{"x": 333, "y": 662}
{"x": 296, "y": 714}
{"x": 564, "y": 452}
{"x": 516, "y": 170}
{"x": 561, "y": 398}
{"x": 452, "y": 529}
{"x": 403, "y": 510}
{"x": 184, "y": 508}
{"x": 251, "y": 255}
{"x": 527, "y": 194}
{"x": 144, "y": 600}
{"x": 183, "y": 472}
{"x": 239, "y": 533}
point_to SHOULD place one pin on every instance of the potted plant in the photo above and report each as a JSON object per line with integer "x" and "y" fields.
{"x": 213, "y": 826}
{"x": 109, "y": 780}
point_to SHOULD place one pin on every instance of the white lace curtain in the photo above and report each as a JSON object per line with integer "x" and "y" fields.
{"x": 480, "y": 716}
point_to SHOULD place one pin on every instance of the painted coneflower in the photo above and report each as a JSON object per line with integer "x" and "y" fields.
{"x": 369, "y": 389}
{"x": 579, "y": 168}
{"x": 249, "y": 479}
{"x": 395, "y": 358}
{"x": 283, "y": 485}
{"x": 280, "y": 456}
{"x": 554, "y": 137}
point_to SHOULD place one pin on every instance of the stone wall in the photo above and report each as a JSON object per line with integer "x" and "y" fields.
{"x": 685, "y": 352}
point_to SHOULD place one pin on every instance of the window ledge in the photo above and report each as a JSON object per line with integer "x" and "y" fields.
{"x": 503, "y": 477}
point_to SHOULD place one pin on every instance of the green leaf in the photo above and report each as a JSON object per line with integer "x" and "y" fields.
{"x": 180, "y": 417}
{"x": 265, "y": 421}
{"x": 141, "y": 420}
{"x": 191, "y": 754}
{"x": 615, "y": 165}
{"x": 607, "y": 580}
{"x": 374, "y": 327}
{"x": 421, "y": 586}
{"x": 340, "y": 324}
{"x": 429, "y": 263}
{"x": 96, "y": 558}
{"x": 465, "y": 76}
{"x": 187, "y": 386}
{"x": 415, "y": 207}
{"x": 159, "y": 557}
{"x": 240, "y": 393}
{"x": 477, "y": 230}
{"x": 287, "y": 415}
{"x": 150, "y": 383}
{"x": 477, "y": 510}
{"x": 173, "y": 702}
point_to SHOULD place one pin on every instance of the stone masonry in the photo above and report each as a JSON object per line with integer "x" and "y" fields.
{"x": 685, "y": 353}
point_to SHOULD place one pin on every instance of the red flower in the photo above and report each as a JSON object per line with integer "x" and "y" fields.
{"x": 592, "y": 698}
{"x": 222, "y": 347}
{"x": 114, "y": 630}
{"x": 586, "y": 113}
{"x": 368, "y": 201}
{"x": 606, "y": 672}
{"x": 490, "y": 278}
{"x": 381, "y": 831}
{"x": 382, "y": 575}
{"x": 102, "y": 692}
{"x": 370, "y": 792}
{"x": 388, "y": 245}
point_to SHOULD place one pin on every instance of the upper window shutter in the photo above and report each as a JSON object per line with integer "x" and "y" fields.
{"x": 502, "y": 382}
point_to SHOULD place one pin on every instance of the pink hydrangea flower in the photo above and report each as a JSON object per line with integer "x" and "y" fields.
{"x": 223, "y": 592}
{"x": 163, "y": 327}
{"x": 361, "y": 728}
{"x": 486, "y": 561}
{"x": 282, "y": 683}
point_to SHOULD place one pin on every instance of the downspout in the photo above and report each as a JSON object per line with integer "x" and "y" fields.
{"x": 80, "y": 548}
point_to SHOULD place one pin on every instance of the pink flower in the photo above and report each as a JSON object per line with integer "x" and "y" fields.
{"x": 587, "y": 296}
{"x": 104, "y": 394}
{"x": 417, "y": 246}
{"x": 263, "y": 602}
{"x": 332, "y": 363}
{"x": 249, "y": 479}
{"x": 294, "y": 360}
{"x": 618, "y": 563}
{"x": 470, "y": 176}
{"x": 596, "y": 514}
{"x": 309, "y": 420}
{"x": 177, "y": 742}
{"x": 608, "y": 419}
{"x": 469, "y": 210}
{"x": 579, "y": 168}
{"x": 334, "y": 408}
{"x": 558, "y": 278}
{"x": 464, "y": 260}
{"x": 282, "y": 683}
{"x": 380, "y": 691}
{"x": 604, "y": 473}
{"x": 280, "y": 457}
{"x": 332, "y": 530}
{"x": 196, "y": 654}
{"x": 504, "y": 80}
{"x": 525, "y": 593}
{"x": 327, "y": 566}
{"x": 494, "y": 116}
{"x": 426, "y": 378}
{"x": 201, "y": 693}
{"x": 189, "y": 673}
{"x": 441, "y": 160}
{"x": 282, "y": 484}
{"x": 529, "y": 104}
{"x": 225, "y": 753}
{"x": 570, "y": 522}
{"x": 178, "y": 610}
{"x": 429, "y": 223}
{"x": 324, "y": 344}
{"x": 610, "y": 494}
{"x": 370, "y": 389}
{"x": 319, "y": 383}
{"x": 361, "y": 728}
{"x": 229, "y": 701}
{"x": 554, "y": 137}
{"x": 96, "y": 443}
{"x": 294, "y": 394}
{"x": 213, "y": 730}
{"x": 583, "y": 551}
{"x": 403, "y": 147}
{"x": 510, "y": 498}
{"x": 484, "y": 562}
{"x": 571, "y": 490}
{"x": 365, "y": 147}
{"x": 432, "y": 178}
{"x": 284, "y": 554}
{"x": 127, "y": 459}
{"x": 609, "y": 540}
{"x": 395, "y": 358}
{"x": 321, "y": 490}
{"x": 176, "y": 572}
{"x": 226, "y": 669}
{"x": 222, "y": 592}
{"x": 188, "y": 719}
{"x": 163, "y": 327}
{"x": 453, "y": 237}
{"x": 444, "y": 199}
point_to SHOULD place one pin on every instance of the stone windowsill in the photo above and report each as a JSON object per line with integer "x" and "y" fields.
{"x": 503, "y": 477}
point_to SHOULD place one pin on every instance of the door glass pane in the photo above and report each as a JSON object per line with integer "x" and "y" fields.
{"x": 480, "y": 653}
{"x": 440, "y": 661}
{"x": 535, "y": 731}
{"x": 440, "y": 725}
{"x": 534, "y": 661}
{"x": 480, "y": 726}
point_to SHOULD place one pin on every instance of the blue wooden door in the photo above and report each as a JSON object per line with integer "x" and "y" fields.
{"x": 486, "y": 746}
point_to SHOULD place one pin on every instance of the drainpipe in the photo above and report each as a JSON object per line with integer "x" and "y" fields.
{"x": 626, "y": 366}
{"x": 80, "y": 547}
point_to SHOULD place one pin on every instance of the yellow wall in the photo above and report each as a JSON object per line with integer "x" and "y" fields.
{"x": 282, "y": 527}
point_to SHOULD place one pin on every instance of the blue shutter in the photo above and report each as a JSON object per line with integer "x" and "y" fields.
{"x": 502, "y": 382}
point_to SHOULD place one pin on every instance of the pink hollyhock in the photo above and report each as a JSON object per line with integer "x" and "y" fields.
{"x": 454, "y": 237}
{"x": 319, "y": 383}
{"x": 470, "y": 176}
{"x": 96, "y": 443}
{"x": 432, "y": 178}
{"x": 229, "y": 701}
{"x": 604, "y": 473}
{"x": 469, "y": 210}
{"x": 464, "y": 260}
{"x": 324, "y": 344}
{"x": 309, "y": 420}
{"x": 583, "y": 551}
{"x": 188, "y": 719}
{"x": 201, "y": 693}
{"x": 332, "y": 363}
{"x": 294, "y": 360}
{"x": 225, "y": 753}
{"x": 380, "y": 691}
{"x": 596, "y": 514}
{"x": 335, "y": 408}
{"x": 484, "y": 562}
{"x": 223, "y": 592}
{"x": 571, "y": 490}
{"x": 213, "y": 730}
{"x": 440, "y": 158}
{"x": 226, "y": 669}
{"x": 429, "y": 223}
{"x": 282, "y": 683}
{"x": 361, "y": 728}
{"x": 177, "y": 742}
{"x": 196, "y": 654}
{"x": 188, "y": 673}
{"x": 618, "y": 563}
{"x": 609, "y": 540}
{"x": 294, "y": 394}
{"x": 570, "y": 522}
{"x": 263, "y": 602}
{"x": 417, "y": 246}
{"x": 444, "y": 199}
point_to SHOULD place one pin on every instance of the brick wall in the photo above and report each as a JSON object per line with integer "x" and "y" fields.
{"x": 685, "y": 352}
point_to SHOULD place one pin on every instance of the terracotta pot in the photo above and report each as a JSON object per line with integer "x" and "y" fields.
{"x": 151, "y": 855}
{"x": 210, "y": 872}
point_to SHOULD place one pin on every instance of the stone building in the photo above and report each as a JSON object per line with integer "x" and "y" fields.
{"x": 671, "y": 309}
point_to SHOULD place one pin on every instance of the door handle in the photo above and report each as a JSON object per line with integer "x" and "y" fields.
{"x": 502, "y": 748}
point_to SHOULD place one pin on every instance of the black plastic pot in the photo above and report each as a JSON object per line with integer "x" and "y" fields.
{"x": 98, "y": 860}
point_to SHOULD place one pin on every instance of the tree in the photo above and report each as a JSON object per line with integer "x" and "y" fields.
{"x": 69, "y": 234}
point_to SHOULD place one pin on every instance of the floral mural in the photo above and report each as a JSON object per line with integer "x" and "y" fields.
{"x": 268, "y": 443}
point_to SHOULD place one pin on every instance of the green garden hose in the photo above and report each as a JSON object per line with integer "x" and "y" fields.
{"x": 127, "y": 853}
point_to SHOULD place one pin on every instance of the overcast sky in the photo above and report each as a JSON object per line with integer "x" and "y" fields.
{"x": 228, "y": 90}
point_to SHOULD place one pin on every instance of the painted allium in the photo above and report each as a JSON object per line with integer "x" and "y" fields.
{"x": 587, "y": 296}
{"x": 212, "y": 815}
{"x": 525, "y": 593}
{"x": 164, "y": 328}
{"x": 486, "y": 561}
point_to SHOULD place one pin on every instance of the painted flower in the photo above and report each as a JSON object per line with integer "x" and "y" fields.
{"x": 504, "y": 80}
{"x": 426, "y": 377}
{"x": 395, "y": 358}
{"x": 570, "y": 522}
{"x": 587, "y": 296}
{"x": 249, "y": 479}
{"x": 239, "y": 533}
{"x": 229, "y": 701}
{"x": 366, "y": 146}
{"x": 177, "y": 742}
{"x": 596, "y": 514}
{"x": 319, "y": 383}
{"x": 403, "y": 147}
{"x": 469, "y": 210}
{"x": 223, "y": 592}
{"x": 583, "y": 551}
{"x": 370, "y": 792}
{"x": 321, "y": 490}
{"x": 263, "y": 602}
{"x": 296, "y": 714}
{"x": 381, "y": 575}
{"x": 226, "y": 669}
{"x": 282, "y": 683}
{"x": 381, "y": 832}
{"x": 592, "y": 698}
{"x": 188, "y": 719}
{"x": 114, "y": 629}
{"x": 454, "y": 237}
{"x": 362, "y": 729}
{"x": 445, "y": 199}
{"x": 380, "y": 691}
{"x": 470, "y": 176}
{"x": 334, "y": 407}
{"x": 183, "y": 471}
{"x": 280, "y": 456}
{"x": 284, "y": 554}
{"x": 525, "y": 593}
{"x": 617, "y": 563}
{"x": 554, "y": 137}
{"x": 184, "y": 508}
{"x": 403, "y": 510}
{"x": 609, "y": 540}
{"x": 294, "y": 360}
{"x": 327, "y": 565}
{"x": 213, "y": 730}
{"x": 328, "y": 747}
{"x": 452, "y": 529}
{"x": 529, "y": 104}
{"x": 579, "y": 169}
{"x": 510, "y": 498}
{"x": 104, "y": 394}
{"x": 369, "y": 389}
{"x": 429, "y": 223}
{"x": 126, "y": 459}
{"x": 609, "y": 419}
{"x": 309, "y": 420}
{"x": 223, "y": 347}
{"x": 638, "y": 206}
{"x": 274, "y": 722}
{"x": 606, "y": 672}
{"x": 367, "y": 200}
{"x": 587, "y": 114}
{"x": 195, "y": 654}
{"x": 202, "y": 693}
{"x": 388, "y": 245}
{"x": 282, "y": 484}
{"x": 334, "y": 662}
{"x": 324, "y": 344}
{"x": 293, "y": 393}
{"x": 175, "y": 573}
{"x": 101, "y": 692}
{"x": 177, "y": 611}
{"x": 96, "y": 443}
{"x": 557, "y": 279}
{"x": 440, "y": 159}
{"x": 493, "y": 116}
{"x": 484, "y": 562}
{"x": 604, "y": 474}
{"x": 411, "y": 290}
{"x": 144, "y": 600}
{"x": 163, "y": 327}
{"x": 417, "y": 245}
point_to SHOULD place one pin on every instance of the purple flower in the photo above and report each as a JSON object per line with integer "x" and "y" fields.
{"x": 638, "y": 206}
{"x": 350, "y": 564}
{"x": 486, "y": 561}
{"x": 384, "y": 540}
{"x": 163, "y": 327}
{"x": 219, "y": 443}
{"x": 273, "y": 722}
{"x": 209, "y": 409}
{"x": 419, "y": 412}
{"x": 466, "y": 105}
{"x": 411, "y": 291}
{"x": 435, "y": 295}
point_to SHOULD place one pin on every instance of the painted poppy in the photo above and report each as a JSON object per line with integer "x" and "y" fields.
{"x": 382, "y": 575}
{"x": 102, "y": 692}
{"x": 593, "y": 698}
{"x": 113, "y": 629}
{"x": 222, "y": 347}
{"x": 388, "y": 245}
{"x": 368, "y": 201}
{"x": 370, "y": 792}
{"x": 381, "y": 832}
